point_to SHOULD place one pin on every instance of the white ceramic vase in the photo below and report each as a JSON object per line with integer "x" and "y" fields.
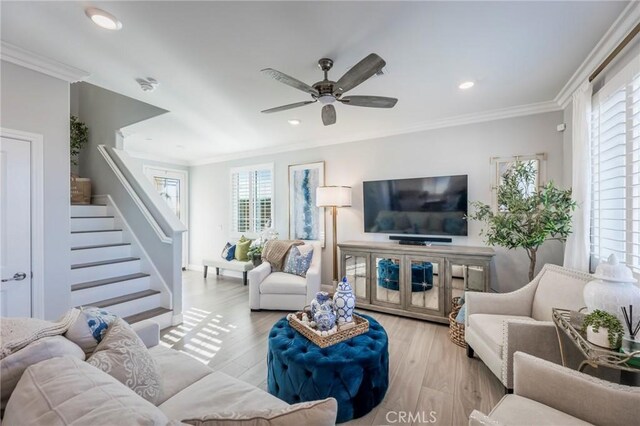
{"x": 613, "y": 288}
{"x": 600, "y": 338}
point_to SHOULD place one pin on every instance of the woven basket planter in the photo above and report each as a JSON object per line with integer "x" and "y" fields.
{"x": 456, "y": 330}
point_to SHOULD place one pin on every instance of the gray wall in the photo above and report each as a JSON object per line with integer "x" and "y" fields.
{"x": 456, "y": 150}
{"x": 36, "y": 103}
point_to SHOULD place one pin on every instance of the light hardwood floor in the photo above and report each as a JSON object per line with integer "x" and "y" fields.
{"x": 426, "y": 371}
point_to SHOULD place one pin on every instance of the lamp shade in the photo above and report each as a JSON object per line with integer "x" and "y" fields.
{"x": 333, "y": 196}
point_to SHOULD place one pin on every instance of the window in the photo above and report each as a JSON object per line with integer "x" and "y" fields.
{"x": 615, "y": 167}
{"x": 251, "y": 198}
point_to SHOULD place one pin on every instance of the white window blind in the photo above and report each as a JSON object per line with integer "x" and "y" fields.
{"x": 615, "y": 163}
{"x": 251, "y": 198}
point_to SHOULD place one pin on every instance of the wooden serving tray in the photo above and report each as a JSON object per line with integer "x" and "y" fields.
{"x": 359, "y": 326}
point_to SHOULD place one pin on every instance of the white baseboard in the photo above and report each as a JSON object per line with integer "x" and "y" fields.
{"x": 198, "y": 268}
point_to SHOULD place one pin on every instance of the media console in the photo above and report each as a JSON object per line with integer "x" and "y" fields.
{"x": 415, "y": 281}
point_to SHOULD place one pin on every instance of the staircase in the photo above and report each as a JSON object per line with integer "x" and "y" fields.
{"x": 106, "y": 272}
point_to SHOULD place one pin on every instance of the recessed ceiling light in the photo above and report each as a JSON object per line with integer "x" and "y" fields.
{"x": 180, "y": 146}
{"x": 294, "y": 121}
{"x": 466, "y": 85}
{"x": 103, "y": 19}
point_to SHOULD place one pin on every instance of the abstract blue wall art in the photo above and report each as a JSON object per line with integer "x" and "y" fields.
{"x": 306, "y": 221}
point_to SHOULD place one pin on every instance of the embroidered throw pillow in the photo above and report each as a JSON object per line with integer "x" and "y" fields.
{"x": 122, "y": 355}
{"x": 89, "y": 328}
{"x": 298, "y": 260}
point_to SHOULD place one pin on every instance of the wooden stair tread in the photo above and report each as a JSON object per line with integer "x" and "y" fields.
{"x": 122, "y": 299}
{"x": 106, "y": 281}
{"x": 104, "y": 262}
{"x": 97, "y": 230}
{"x": 100, "y": 246}
{"x": 146, "y": 315}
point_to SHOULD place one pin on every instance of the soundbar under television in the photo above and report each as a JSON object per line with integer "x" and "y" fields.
{"x": 419, "y": 206}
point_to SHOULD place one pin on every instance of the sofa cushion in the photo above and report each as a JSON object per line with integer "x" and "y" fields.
{"x": 298, "y": 260}
{"x": 68, "y": 391}
{"x": 557, "y": 290}
{"x": 89, "y": 328}
{"x": 490, "y": 328}
{"x": 13, "y": 366}
{"x": 514, "y": 409}
{"x": 316, "y": 413}
{"x": 177, "y": 371}
{"x": 216, "y": 393}
{"x": 123, "y": 355}
{"x": 283, "y": 283}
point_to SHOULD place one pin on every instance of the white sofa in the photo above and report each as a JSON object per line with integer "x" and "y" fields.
{"x": 548, "y": 394}
{"x": 281, "y": 291}
{"x": 66, "y": 390}
{"x": 499, "y": 324}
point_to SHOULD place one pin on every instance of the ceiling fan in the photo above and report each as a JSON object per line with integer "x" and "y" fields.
{"x": 328, "y": 92}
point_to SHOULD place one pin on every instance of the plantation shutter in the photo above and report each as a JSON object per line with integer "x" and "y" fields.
{"x": 615, "y": 163}
{"x": 251, "y": 199}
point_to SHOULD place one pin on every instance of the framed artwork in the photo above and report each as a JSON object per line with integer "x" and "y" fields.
{"x": 306, "y": 221}
{"x": 499, "y": 165}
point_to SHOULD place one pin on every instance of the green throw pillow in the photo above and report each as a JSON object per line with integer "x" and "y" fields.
{"x": 242, "y": 248}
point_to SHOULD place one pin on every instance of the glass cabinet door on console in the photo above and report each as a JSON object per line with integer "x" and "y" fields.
{"x": 355, "y": 266}
{"x": 387, "y": 276}
{"x": 467, "y": 276}
{"x": 424, "y": 291}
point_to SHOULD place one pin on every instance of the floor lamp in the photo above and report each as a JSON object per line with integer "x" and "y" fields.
{"x": 334, "y": 197}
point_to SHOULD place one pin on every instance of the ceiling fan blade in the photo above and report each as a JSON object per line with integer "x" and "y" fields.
{"x": 369, "y": 101}
{"x": 360, "y": 72}
{"x": 328, "y": 115}
{"x": 286, "y": 107}
{"x": 290, "y": 81}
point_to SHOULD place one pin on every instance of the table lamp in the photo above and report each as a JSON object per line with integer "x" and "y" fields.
{"x": 334, "y": 197}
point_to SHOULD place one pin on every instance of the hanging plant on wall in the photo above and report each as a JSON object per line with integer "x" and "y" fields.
{"x": 528, "y": 216}
{"x": 79, "y": 137}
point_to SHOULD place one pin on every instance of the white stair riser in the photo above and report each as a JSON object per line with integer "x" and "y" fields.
{"x": 88, "y": 211}
{"x": 99, "y": 253}
{"x": 163, "y": 320}
{"x": 92, "y": 224}
{"x": 111, "y": 270}
{"x": 136, "y": 306}
{"x": 94, "y": 294}
{"x": 95, "y": 238}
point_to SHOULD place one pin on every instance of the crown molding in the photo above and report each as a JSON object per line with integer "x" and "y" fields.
{"x": 24, "y": 58}
{"x": 460, "y": 120}
{"x": 627, "y": 20}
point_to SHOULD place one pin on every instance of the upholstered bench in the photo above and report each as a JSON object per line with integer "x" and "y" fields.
{"x": 231, "y": 265}
{"x": 354, "y": 372}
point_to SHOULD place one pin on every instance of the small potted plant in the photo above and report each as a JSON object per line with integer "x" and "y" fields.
{"x": 255, "y": 252}
{"x": 603, "y": 329}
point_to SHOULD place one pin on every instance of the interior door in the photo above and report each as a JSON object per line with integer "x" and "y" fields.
{"x": 172, "y": 187}
{"x": 15, "y": 228}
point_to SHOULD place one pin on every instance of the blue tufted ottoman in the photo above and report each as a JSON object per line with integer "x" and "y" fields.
{"x": 354, "y": 372}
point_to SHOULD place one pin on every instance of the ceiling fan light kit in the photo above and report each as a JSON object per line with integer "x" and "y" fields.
{"x": 328, "y": 92}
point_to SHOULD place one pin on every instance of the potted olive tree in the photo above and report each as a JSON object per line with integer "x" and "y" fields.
{"x": 78, "y": 138}
{"x": 527, "y": 216}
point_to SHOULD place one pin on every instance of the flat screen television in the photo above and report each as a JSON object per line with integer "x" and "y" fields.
{"x": 420, "y": 206}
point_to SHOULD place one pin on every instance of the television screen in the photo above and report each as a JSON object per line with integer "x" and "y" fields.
{"x": 422, "y": 206}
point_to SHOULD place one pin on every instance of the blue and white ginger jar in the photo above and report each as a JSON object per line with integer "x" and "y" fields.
{"x": 322, "y": 298}
{"x": 324, "y": 317}
{"x": 344, "y": 302}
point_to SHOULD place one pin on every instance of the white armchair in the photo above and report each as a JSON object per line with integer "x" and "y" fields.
{"x": 281, "y": 291}
{"x": 499, "y": 324}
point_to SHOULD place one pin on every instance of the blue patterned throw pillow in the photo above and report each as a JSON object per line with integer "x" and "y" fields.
{"x": 298, "y": 260}
{"x": 98, "y": 321}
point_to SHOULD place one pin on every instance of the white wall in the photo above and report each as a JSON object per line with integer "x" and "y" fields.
{"x": 37, "y": 103}
{"x": 456, "y": 150}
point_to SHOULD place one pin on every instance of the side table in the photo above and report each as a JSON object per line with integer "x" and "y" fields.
{"x": 570, "y": 322}
{"x": 354, "y": 372}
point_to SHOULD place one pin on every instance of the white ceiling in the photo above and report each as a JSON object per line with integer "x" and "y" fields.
{"x": 207, "y": 57}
